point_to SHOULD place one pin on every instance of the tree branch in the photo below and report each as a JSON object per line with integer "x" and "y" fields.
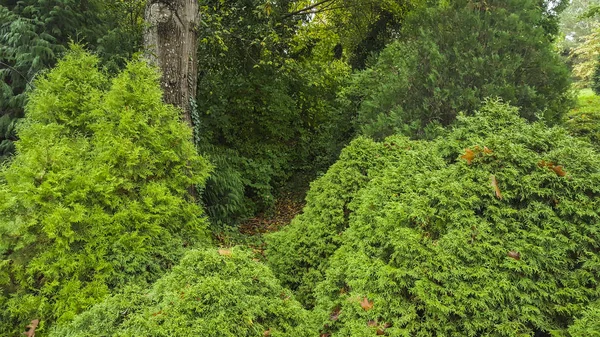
{"x": 305, "y": 9}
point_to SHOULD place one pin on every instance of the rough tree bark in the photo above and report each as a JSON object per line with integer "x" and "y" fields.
{"x": 170, "y": 43}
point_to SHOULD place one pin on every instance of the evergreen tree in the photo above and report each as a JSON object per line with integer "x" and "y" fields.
{"x": 35, "y": 33}
{"x": 96, "y": 196}
{"x": 451, "y": 55}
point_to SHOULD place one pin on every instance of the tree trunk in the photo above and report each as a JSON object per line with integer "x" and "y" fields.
{"x": 171, "y": 42}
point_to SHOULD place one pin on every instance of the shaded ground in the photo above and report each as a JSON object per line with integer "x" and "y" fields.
{"x": 285, "y": 209}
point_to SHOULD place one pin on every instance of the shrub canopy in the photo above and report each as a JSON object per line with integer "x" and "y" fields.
{"x": 210, "y": 293}
{"x": 588, "y": 325}
{"x": 97, "y": 194}
{"x": 491, "y": 230}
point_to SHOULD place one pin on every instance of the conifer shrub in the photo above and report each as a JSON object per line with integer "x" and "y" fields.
{"x": 210, "y": 293}
{"x": 588, "y": 325}
{"x": 492, "y": 230}
{"x": 96, "y": 196}
{"x": 299, "y": 253}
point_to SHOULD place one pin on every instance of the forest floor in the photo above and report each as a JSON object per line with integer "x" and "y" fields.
{"x": 285, "y": 209}
{"x": 250, "y": 232}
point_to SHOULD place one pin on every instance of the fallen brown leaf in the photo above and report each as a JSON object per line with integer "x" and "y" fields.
{"x": 495, "y": 186}
{"x": 224, "y": 252}
{"x": 559, "y": 170}
{"x": 335, "y": 314}
{"x": 366, "y": 304}
{"x": 514, "y": 255}
{"x": 31, "y": 328}
{"x": 468, "y": 156}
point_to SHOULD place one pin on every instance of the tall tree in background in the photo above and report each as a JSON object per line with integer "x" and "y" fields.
{"x": 582, "y": 35}
{"x": 171, "y": 43}
{"x": 574, "y": 24}
{"x": 449, "y": 56}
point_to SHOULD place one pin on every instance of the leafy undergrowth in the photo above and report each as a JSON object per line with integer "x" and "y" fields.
{"x": 210, "y": 293}
{"x": 491, "y": 230}
{"x": 584, "y": 119}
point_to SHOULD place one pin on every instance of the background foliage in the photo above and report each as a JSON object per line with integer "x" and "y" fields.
{"x": 266, "y": 106}
{"x": 450, "y": 56}
{"x": 96, "y": 196}
{"x": 584, "y": 120}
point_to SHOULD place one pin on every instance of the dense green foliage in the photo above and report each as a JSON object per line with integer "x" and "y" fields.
{"x": 460, "y": 208}
{"x": 32, "y": 34}
{"x": 502, "y": 242}
{"x": 266, "y": 105}
{"x": 207, "y": 294}
{"x": 299, "y": 252}
{"x": 358, "y": 29}
{"x": 96, "y": 196}
{"x": 584, "y": 120}
{"x": 588, "y": 325}
{"x": 450, "y": 56}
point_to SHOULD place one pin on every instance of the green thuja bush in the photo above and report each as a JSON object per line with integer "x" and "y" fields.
{"x": 588, "y": 325}
{"x": 210, "y": 293}
{"x": 299, "y": 253}
{"x": 491, "y": 230}
{"x": 96, "y": 196}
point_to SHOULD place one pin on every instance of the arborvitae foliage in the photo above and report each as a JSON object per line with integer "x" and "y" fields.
{"x": 491, "y": 230}
{"x": 210, "y": 293}
{"x": 452, "y": 55}
{"x": 97, "y": 193}
{"x": 299, "y": 253}
{"x": 32, "y": 35}
{"x": 588, "y": 325}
